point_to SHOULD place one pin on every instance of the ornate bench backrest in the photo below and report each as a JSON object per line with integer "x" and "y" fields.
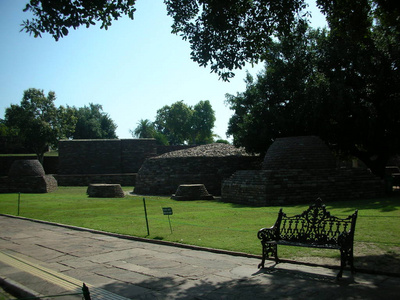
{"x": 315, "y": 226}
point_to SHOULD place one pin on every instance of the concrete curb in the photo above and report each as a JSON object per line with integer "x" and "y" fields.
{"x": 18, "y": 290}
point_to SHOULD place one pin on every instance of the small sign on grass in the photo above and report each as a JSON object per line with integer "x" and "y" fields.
{"x": 167, "y": 211}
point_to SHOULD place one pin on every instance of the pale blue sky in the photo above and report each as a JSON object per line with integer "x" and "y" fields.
{"x": 132, "y": 69}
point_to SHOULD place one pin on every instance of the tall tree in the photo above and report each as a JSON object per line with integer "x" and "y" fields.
{"x": 284, "y": 100}
{"x": 36, "y": 121}
{"x": 342, "y": 85}
{"x": 183, "y": 124}
{"x": 203, "y": 119}
{"x": 145, "y": 129}
{"x": 174, "y": 122}
{"x": 93, "y": 123}
{"x": 362, "y": 65}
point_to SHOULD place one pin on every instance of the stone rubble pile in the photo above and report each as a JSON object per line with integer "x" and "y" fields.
{"x": 209, "y": 150}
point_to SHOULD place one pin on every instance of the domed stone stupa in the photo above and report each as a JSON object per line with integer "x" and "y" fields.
{"x": 299, "y": 170}
{"x": 28, "y": 176}
{"x": 301, "y": 152}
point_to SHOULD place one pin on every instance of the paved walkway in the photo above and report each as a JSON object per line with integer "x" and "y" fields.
{"x": 46, "y": 259}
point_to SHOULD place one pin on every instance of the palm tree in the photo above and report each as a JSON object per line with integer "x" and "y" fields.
{"x": 145, "y": 129}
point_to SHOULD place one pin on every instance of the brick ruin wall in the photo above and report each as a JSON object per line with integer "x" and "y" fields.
{"x": 82, "y": 162}
{"x": 163, "y": 176}
{"x": 104, "y": 156}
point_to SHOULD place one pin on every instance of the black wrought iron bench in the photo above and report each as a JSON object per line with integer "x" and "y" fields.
{"x": 316, "y": 228}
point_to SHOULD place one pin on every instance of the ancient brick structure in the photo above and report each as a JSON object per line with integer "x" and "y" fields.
{"x": 298, "y": 170}
{"x": 104, "y": 156}
{"x": 27, "y": 176}
{"x": 82, "y": 162}
{"x": 207, "y": 164}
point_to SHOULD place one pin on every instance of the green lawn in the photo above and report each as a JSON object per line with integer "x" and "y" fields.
{"x": 206, "y": 223}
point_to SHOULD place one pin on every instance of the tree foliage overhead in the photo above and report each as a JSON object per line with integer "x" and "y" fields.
{"x": 57, "y": 17}
{"x": 224, "y": 34}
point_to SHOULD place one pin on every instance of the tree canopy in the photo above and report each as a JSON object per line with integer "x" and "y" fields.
{"x": 342, "y": 84}
{"x": 93, "y": 123}
{"x": 38, "y": 122}
{"x": 179, "y": 124}
{"x": 57, "y": 17}
{"x": 224, "y": 34}
{"x": 183, "y": 124}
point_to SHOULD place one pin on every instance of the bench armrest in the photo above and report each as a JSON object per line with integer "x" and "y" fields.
{"x": 267, "y": 234}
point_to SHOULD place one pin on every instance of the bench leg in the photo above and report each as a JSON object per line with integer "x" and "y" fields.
{"x": 346, "y": 257}
{"x": 267, "y": 251}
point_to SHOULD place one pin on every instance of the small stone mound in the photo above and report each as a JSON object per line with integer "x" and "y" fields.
{"x": 209, "y": 150}
{"x": 28, "y": 176}
{"x": 103, "y": 190}
{"x": 192, "y": 192}
{"x": 29, "y": 167}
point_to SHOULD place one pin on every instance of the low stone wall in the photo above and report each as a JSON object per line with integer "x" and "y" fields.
{"x": 287, "y": 187}
{"x": 163, "y": 176}
{"x": 128, "y": 179}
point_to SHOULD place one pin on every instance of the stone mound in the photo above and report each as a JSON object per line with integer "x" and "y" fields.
{"x": 209, "y": 150}
{"x": 207, "y": 164}
{"x": 103, "y": 190}
{"x": 28, "y": 176}
{"x": 192, "y": 192}
{"x": 30, "y": 167}
{"x": 300, "y": 152}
